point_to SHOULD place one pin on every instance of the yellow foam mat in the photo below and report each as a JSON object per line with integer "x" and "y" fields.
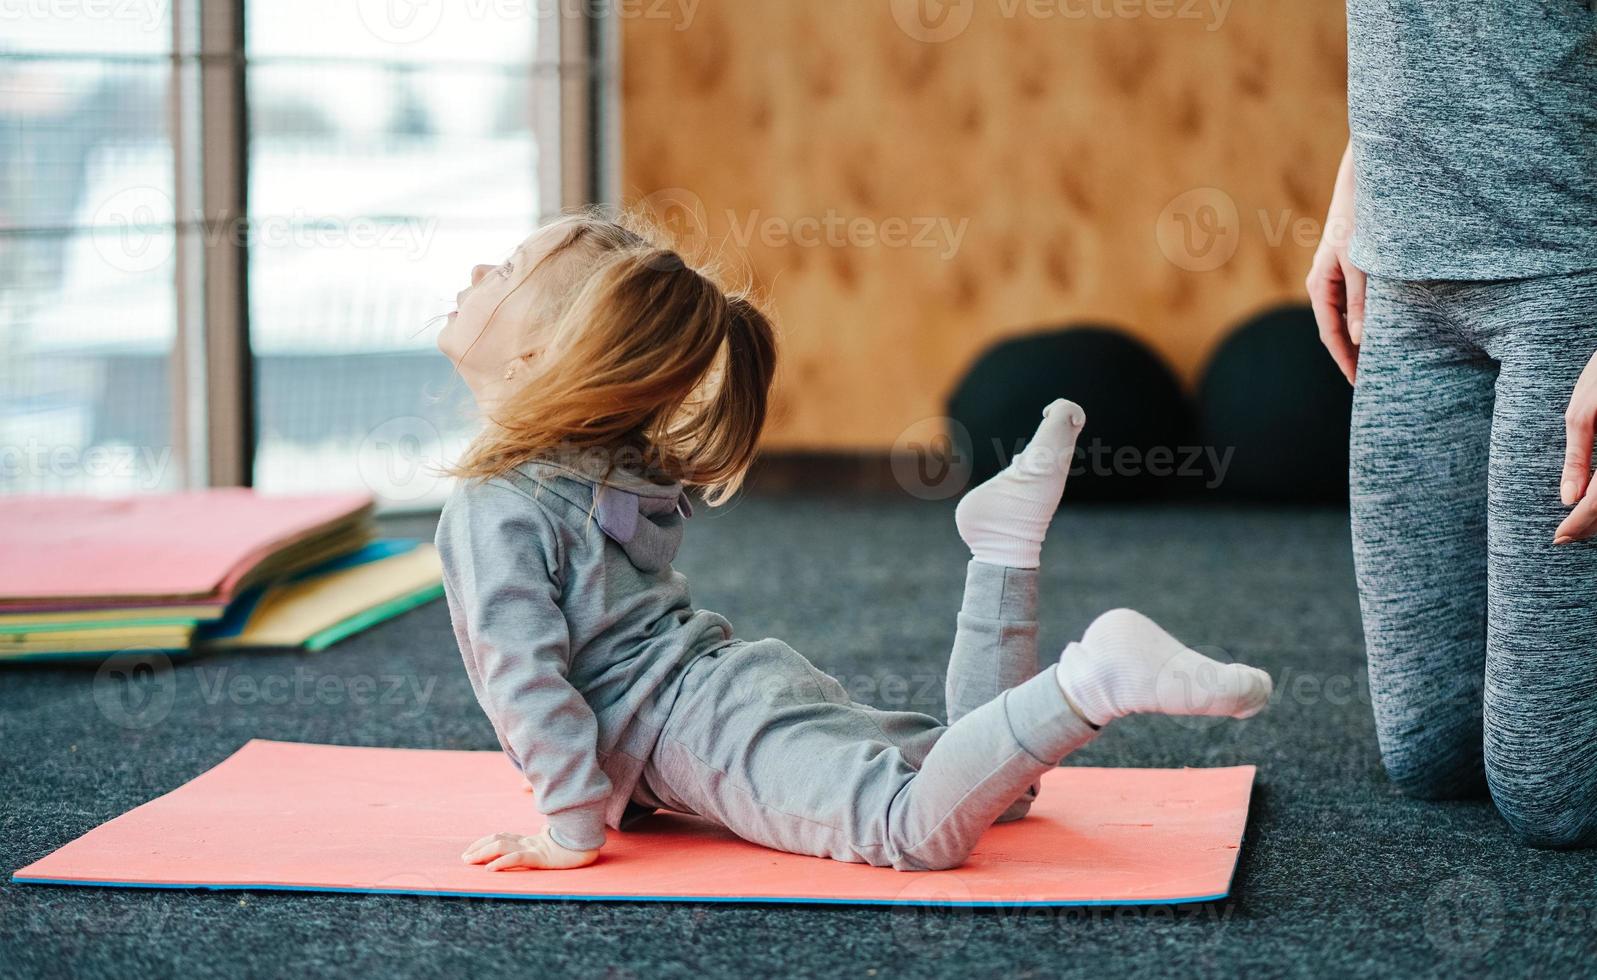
{"x": 291, "y": 614}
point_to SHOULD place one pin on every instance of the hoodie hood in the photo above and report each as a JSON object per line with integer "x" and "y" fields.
{"x": 645, "y": 518}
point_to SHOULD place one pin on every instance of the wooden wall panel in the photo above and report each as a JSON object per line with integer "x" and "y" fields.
{"x": 1165, "y": 169}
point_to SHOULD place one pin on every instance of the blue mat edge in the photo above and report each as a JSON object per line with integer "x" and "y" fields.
{"x": 720, "y": 900}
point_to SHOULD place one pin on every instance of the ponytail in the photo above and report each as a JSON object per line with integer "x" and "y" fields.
{"x": 727, "y": 429}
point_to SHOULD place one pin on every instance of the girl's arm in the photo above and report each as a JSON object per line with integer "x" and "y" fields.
{"x": 502, "y": 573}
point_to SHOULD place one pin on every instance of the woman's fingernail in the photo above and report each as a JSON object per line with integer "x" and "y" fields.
{"x": 1562, "y": 539}
{"x": 1568, "y": 491}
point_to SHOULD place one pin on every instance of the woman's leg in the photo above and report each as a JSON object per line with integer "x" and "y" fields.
{"x": 1541, "y": 666}
{"x": 1421, "y": 426}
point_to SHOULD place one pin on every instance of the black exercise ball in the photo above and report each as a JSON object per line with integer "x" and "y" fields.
{"x": 1273, "y": 400}
{"x": 1140, "y": 426}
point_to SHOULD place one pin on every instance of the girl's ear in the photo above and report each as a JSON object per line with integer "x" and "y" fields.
{"x": 516, "y": 365}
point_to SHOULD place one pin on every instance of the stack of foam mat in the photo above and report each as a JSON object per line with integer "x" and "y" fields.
{"x": 85, "y": 578}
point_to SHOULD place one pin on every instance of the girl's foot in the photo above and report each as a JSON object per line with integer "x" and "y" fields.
{"x": 1004, "y": 520}
{"x": 1126, "y": 664}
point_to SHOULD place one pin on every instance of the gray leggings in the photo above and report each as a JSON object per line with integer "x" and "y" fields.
{"x": 768, "y": 746}
{"x": 1482, "y": 635}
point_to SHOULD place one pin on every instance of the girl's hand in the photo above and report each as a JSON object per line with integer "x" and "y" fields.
{"x": 1576, "y": 485}
{"x": 503, "y": 852}
{"x": 1335, "y": 284}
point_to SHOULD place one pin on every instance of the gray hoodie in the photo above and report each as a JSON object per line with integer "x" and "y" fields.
{"x": 574, "y": 628}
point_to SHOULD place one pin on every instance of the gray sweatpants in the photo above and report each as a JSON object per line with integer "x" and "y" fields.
{"x": 763, "y": 743}
{"x": 1482, "y": 635}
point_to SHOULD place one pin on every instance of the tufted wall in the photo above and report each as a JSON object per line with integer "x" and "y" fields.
{"x": 910, "y": 180}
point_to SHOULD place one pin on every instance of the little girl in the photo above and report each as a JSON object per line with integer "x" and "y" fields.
{"x": 612, "y": 375}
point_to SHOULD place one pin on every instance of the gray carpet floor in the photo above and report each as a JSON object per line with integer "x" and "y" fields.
{"x": 1339, "y": 876}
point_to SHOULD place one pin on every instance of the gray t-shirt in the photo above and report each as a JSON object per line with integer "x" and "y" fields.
{"x": 1474, "y": 128}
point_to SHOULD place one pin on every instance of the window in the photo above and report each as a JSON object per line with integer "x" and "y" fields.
{"x": 387, "y": 147}
{"x": 392, "y": 147}
{"x": 87, "y": 247}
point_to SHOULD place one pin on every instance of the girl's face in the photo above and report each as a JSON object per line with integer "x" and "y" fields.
{"x": 496, "y": 322}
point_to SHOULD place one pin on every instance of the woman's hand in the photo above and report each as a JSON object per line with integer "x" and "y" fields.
{"x": 1335, "y": 284}
{"x": 1576, "y": 488}
{"x": 503, "y": 852}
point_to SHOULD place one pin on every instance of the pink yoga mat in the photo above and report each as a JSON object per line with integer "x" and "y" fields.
{"x": 281, "y": 815}
{"x": 73, "y": 550}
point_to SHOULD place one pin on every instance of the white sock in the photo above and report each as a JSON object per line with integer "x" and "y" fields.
{"x": 1003, "y": 520}
{"x": 1127, "y": 664}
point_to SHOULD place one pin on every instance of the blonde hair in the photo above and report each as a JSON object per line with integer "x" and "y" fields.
{"x": 647, "y": 357}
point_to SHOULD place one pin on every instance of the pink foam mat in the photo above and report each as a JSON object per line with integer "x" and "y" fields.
{"x": 280, "y": 815}
{"x": 71, "y": 551}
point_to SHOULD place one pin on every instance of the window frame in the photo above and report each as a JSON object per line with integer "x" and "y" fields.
{"x": 214, "y": 401}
